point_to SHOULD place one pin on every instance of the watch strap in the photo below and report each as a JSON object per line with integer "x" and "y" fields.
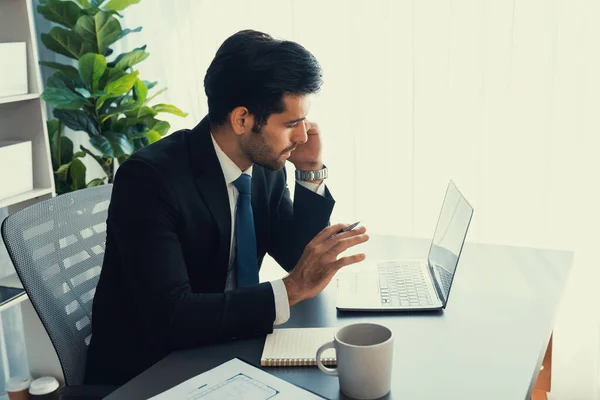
{"x": 312, "y": 175}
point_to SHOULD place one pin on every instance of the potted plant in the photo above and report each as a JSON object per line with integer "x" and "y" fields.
{"x": 101, "y": 94}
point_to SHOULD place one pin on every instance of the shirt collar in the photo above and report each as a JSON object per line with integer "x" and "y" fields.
{"x": 230, "y": 170}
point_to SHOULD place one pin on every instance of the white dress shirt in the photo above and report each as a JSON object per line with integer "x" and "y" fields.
{"x": 231, "y": 172}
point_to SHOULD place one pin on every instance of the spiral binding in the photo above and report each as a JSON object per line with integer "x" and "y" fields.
{"x": 297, "y": 362}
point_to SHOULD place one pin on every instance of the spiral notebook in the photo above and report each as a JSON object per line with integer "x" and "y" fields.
{"x": 297, "y": 347}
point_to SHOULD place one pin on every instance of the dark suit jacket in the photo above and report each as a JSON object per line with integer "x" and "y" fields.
{"x": 167, "y": 251}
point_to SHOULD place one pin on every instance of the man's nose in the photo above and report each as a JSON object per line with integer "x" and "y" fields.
{"x": 300, "y": 134}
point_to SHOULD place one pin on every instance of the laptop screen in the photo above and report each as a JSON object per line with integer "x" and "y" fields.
{"x": 449, "y": 237}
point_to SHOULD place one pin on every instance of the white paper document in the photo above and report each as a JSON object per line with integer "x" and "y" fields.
{"x": 235, "y": 380}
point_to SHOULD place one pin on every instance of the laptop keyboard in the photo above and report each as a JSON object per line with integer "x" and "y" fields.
{"x": 403, "y": 285}
{"x": 446, "y": 279}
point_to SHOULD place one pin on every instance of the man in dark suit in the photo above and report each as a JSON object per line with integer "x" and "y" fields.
{"x": 192, "y": 216}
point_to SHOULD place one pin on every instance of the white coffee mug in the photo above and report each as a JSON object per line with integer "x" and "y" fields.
{"x": 364, "y": 355}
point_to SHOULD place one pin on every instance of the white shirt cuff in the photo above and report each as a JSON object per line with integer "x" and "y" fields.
{"x": 318, "y": 188}
{"x": 282, "y": 304}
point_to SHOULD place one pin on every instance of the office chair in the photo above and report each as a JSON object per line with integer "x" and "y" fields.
{"x": 57, "y": 247}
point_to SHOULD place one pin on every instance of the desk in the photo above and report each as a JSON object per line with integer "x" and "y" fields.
{"x": 488, "y": 343}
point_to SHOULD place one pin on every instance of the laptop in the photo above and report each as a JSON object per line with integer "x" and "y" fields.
{"x": 413, "y": 285}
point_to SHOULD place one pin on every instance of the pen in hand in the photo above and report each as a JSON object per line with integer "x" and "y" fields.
{"x": 348, "y": 228}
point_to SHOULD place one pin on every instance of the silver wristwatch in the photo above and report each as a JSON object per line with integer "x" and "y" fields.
{"x": 311, "y": 175}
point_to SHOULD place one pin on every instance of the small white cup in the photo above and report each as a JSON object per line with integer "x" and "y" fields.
{"x": 364, "y": 355}
{"x": 17, "y": 388}
{"x": 45, "y": 388}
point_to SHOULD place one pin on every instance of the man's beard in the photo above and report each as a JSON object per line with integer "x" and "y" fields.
{"x": 260, "y": 153}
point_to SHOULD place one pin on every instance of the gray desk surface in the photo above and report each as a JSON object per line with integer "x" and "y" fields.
{"x": 490, "y": 340}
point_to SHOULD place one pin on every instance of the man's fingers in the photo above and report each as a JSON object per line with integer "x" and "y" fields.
{"x": 328, "y": 232}
{"x": 350, "y": 233}
{"x": 336, "y": 238}
{"x": 349, "y": 260}
{"x": 345, "y": 244}
{"x": 311, "y": 128}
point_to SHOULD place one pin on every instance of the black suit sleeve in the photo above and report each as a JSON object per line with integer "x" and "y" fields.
{"x": 296, "y": 223}
{"x": 143, "y": 217}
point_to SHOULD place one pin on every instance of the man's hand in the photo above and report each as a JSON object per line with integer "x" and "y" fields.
{"x": 307, "y": 156}
{"x": 320, "y": 262}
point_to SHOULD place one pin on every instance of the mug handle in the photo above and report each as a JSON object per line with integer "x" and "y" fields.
{"x": 328, "y": 371}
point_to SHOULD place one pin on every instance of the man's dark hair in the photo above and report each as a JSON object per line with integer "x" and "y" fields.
{"x": 254, "y": 70}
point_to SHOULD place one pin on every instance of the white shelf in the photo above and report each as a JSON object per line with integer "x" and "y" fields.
{"x": 13, "y": 282}
{"x": 32, "y": 194}
{"x": 22, "y": 97}
{"x": 14, "y": 301}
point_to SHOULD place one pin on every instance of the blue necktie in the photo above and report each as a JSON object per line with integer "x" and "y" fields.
{"x": 245, "y": 237}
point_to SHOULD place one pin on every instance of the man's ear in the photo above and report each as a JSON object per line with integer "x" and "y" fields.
{"x": 241, "y": 120}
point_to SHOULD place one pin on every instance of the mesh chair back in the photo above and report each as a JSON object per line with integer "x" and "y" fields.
{"x": 57, "y": 247}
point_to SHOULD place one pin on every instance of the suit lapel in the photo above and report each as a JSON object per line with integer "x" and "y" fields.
{"x": 210, "y": 183}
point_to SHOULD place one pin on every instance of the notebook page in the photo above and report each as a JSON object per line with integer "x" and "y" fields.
{"x": 297, "y": 347}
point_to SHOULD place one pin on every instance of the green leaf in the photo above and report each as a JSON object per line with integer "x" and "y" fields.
{"x": 120, "y": 143}
{"x": 118, "y": 110}
{"x": 102, "y": 144}
{"x": 70, "y": 70}
{"x": 113, "y": 63}
{"x": 53, "y": 135}
{"x": 64, "y": 13}
{"x": 52, "y": 126}
{"x": 169, "y": 108}
{"x": 140, "y": 91}
{"x": 121, "y": 86}
{"x": 83, "y": 3}
{"x": 95, "y": 182}
{"x": 117, "y": 88}
{"x": 84, "y": 92}
{"x": 115, "y": 73}
{"x": 132, "y": 58}
{"x": 141, "y": 143}
{"x": 136, "y": 131}
{"x": 65, "y": 80}
{"x": 77, "y": 173}
{"x": 63, "y": 171}
{"x": 146, "y": 112}
{"x": 97, "y": 3}
{"x": 101, "y": 30}
{"x": 112, "y": 144}
{"x": 119, "y": 5}
{"x": 63, "y": 98}
{"x": 66, "y": 150}
{"x": 91, "y": 68}
{"x": 162, "y": 127}
{"x": 149, "y": 84}
{"x": 128, "y": 31}
{"x": 66, "y": 42}
{"x": 77, "y": 120}
{"x": 79, "y": 154}
{"x": 111, "y": 74}
{"x": 153, "y": 136}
